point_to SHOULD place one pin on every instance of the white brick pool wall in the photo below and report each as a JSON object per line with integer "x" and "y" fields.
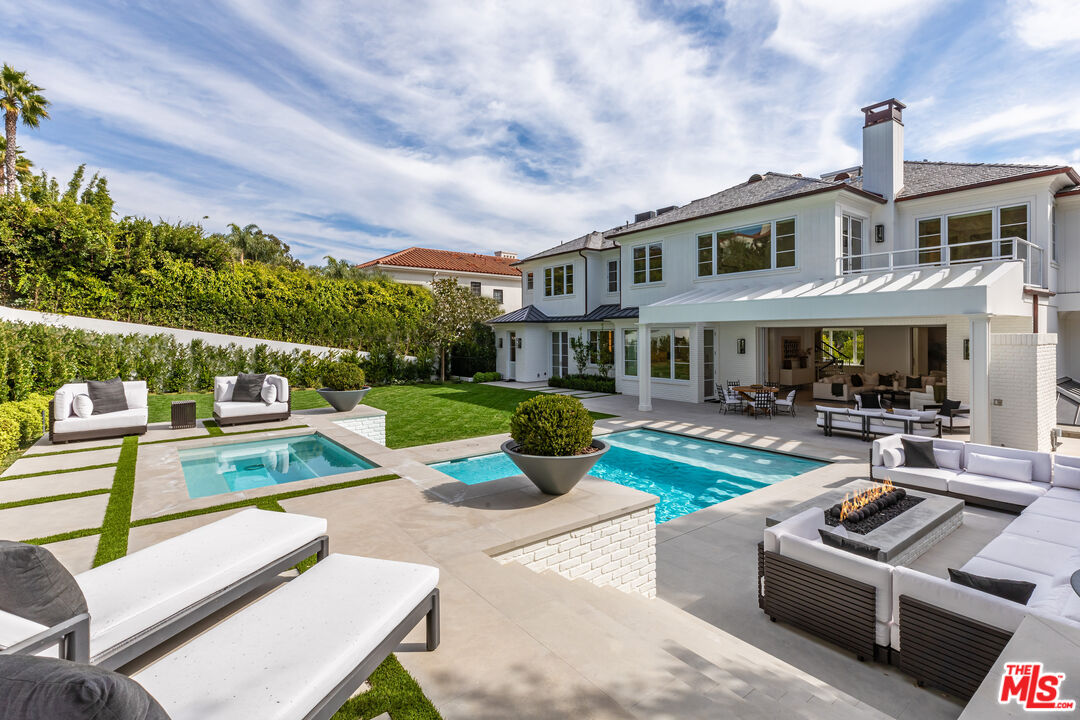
{"x": 372, "y": 427}
{"x": 619, "y": 552}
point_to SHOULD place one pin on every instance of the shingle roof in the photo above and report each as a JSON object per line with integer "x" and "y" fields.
{"x": 530, "y": 313}
{"x": 447, "y": 260}
{"x": 591, "y": 241}
{"x": 922, "y": 177}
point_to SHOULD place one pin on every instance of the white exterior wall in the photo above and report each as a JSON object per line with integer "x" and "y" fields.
{"x": 573, "y": 304}
{"x": 1023, "y": 367}
{"x": 509, "y": 284}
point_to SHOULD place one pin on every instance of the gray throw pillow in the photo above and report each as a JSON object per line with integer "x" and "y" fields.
{"x": 1015, "y": 590}
{"x": 248, "y": 387}
{"x": 852, "y": 546}
{"x": 108, "y": 396}
{"x": 919, "y": 453}
{"x": 34, "y": 585}
{"x": 36, "y": 688}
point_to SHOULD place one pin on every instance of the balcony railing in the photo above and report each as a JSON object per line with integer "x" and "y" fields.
{"x": 980, "y": 251}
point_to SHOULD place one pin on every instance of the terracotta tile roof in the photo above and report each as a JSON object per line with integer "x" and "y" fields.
{"x": 452, "y": 260}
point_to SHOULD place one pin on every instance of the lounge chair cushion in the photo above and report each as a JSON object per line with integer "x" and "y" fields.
{"x": 36, "y": 586}
{"x": 1066, "y": 477}
{"x": 1050, "y": 529}
{"x": 1054, "y": 507}
{"x": 131, "y": 594}
{"x": 324, "y": 622}
{"x": 986, "y": 487}
{"x": 936, "y": 479}
{"x": 35, "y": 688}
{"x": 229, "y": 409}
{"x": 871, "y": 572}
{"x": 1063, "y": 493}
{"x": 130, "y": 418}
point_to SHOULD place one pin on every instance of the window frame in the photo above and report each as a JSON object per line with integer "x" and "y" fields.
{"x": 773, "y": 252}
{"x": 995, "y": 223}
{"x": 647, "y": 255}
{"x": 613, "y": 265}
{"x": 476, "y": 287}
{"x": 497, "y": 295}
{"x": 594, "y": 344}
{"x": 673, "y": 347}
{"x": 567, "y": 280}
{"x": 627, "y": 332}
{"x": 529, "y": 280}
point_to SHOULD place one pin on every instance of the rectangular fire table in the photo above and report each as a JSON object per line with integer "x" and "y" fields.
{"x": 906, "y": 536}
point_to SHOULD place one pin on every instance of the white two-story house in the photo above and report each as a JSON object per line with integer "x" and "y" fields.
{"x": 908, "y": 268}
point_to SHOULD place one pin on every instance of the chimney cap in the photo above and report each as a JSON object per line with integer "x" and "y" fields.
{"x": 885, "y": 110}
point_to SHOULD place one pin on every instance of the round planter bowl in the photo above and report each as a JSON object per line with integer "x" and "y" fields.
{"x": 555, "y": 475}
{"x": 343, "y": 400}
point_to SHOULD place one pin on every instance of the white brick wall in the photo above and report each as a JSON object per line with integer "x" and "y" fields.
{"x": 620, "y": 552}
{"x": 373, "y": 427}
{"x": 1023, "y": 371}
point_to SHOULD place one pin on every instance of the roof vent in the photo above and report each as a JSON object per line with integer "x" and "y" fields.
{"x": 754, "y": 178}
{"x": 669, "y": 208}
{"x": 647, "y": 215}
{"x": 842, "y": 176}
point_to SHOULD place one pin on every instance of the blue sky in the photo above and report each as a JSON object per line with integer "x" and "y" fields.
{"x": 355, "y": 129}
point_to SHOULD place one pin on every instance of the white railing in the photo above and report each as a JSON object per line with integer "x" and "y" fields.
{"x": 980, "y": 251}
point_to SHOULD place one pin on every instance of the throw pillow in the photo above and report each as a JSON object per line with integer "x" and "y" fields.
{"x": 1066, "y": 476}
{"x": 949, "y": 459}
{"x": 846, "y": 543}
{"x": 838, "y": 389}
{"x": 83, "y": 406}
{"x": 948, "y": 407}
{"x": 41, "y": 687}
{"x": 856, "y": 380}
{"x": 269, "y": 393}
{"x": 892, "y": 457}
{"x": 886, "y": 379}
{"x": 1000, "y": 467}
{"x": 918, "y": 453}
{"x": 248, "y": 387}
{"x": 871, "y": 401}
{"x": 107, "y": 396}
{"x": 872, "y": 379}
{"x": 912, "y": 383}
{"x": 36, "y": 586}
{"x": 62, "y": 404}
{"x": 1015, "y": 590}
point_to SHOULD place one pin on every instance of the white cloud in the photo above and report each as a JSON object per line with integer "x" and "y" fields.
{"x": 1047, "y": 24}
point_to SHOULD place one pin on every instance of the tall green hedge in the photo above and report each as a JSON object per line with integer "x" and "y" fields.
{"x": 21, "y": 422}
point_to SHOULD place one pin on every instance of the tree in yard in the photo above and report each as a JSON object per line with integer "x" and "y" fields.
{"x": 18, "y": 98}
{"x": 452, "y": 317}
{"x": 251, "y": 243}
{"x": 22, "y": 165}
{"x": 580, "y": 347}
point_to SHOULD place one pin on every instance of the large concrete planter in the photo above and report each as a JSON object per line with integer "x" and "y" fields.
{"x": 343, "y": 400}
{"x": 555, "y": 475}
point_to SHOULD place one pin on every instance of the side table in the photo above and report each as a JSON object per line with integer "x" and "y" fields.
{"x": 183, "y": 414}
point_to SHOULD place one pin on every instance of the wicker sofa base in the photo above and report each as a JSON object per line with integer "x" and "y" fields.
{"x": 62, "y": 437}
{"x": 246, "y": 419}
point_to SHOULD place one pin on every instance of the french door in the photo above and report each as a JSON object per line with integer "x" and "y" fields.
{"x": 709, "y": 365}
{"x": 560, "y": 353}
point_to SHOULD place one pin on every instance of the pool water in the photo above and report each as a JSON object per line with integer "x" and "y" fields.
{"x": 243, "y": 466}
{"x": 687, "y": 474}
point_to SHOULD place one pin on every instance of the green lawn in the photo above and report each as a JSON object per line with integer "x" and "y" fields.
{"x": 159, "y": 405}
{"x": 422, "y": 414}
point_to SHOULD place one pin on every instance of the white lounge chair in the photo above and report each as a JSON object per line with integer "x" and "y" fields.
{"x": 786, "y": 405}
{"x": 143, "y": 599}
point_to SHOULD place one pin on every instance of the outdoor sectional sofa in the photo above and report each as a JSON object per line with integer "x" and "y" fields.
{"x": 944, "y": 634}
{"x": 66, "y": 426}
{"x": 872, "y": 422}
{"x": 231, "y": 412}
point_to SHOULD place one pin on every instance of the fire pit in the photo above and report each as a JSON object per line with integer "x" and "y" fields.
{"x": 871, "y": 508}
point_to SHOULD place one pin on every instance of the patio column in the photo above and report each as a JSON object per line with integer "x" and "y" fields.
{"x": 644, "y": 370}
{"x": 979, "y": 348}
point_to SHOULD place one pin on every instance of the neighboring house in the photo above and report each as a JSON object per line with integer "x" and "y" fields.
{"x": 910, "y": 266}
{"x": 488, "y": 275}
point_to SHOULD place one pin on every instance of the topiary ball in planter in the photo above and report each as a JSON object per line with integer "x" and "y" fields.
{"x": 344, "y": 383}
{"x": 552, "y": 442}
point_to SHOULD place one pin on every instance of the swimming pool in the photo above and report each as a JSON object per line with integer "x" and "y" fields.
{"x": 243, "y": 466}
{"x": 687, "y": 474}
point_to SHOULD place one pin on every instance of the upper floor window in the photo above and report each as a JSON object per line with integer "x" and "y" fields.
{"x": 764, "y": 246}
{"x": 528, "y": 281}
{"x": 498, "y": 295}
{"x": 851, "y": 241}
{"x": 559, "y": 280}
{"x": 613, "y": 276}
{"x": 972, "y": 235}
{"x": 648, "y": 263}
{"x": 474, "y": 287}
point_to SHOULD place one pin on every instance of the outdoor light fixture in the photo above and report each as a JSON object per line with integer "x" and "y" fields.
{"x": 500, "y": 343}
{"x": 879, "y": 233}
{"x": 741, "y": 345}
{"x": 967, "y": 349}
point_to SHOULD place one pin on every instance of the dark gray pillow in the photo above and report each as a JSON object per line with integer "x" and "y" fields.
{"x": 913, "y": 383}
{"x": 248, "y": 387}
{"x": 856, "y": 380}
{"x": 40, "y": 688}
{"x": 948, "y": 407}
{"x": 870, "y": 401}
{"x": 919, "y": 453}
{"x": 1015, "y": 590}
{"x": 34, "y": 585}
{"x": 107, "y": 396}
{"x": 846, "y": 543}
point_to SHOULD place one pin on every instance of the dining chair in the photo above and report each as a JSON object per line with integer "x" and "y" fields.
{"x": 787, "y": 405}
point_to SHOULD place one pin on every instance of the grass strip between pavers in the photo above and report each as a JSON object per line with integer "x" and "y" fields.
{"x": 213, "y": 428}
{"x": 71, "y": 450}
{"x": 114, "y": 528}
{"x": 393, "y": 690}
{"x": 56, "y": 472}
{"x": 222, "y": 434}
{"x": 60, "y": 537}
{"x": 52, "y": 498}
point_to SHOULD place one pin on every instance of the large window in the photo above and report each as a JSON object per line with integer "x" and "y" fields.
{"x": 669, "y": 353}
{"x": 613, "y": 276}
{"x": 601, "y": 346}
{"x": 763, "y": 246}
{"x": 842, "y": 344}
{"x": 630, "y": 352}
{"x": 648, "y": 263}
{"x": 559, "y": 280}
{"x": 972, "y": 235}
{"x": 851, "y": 236}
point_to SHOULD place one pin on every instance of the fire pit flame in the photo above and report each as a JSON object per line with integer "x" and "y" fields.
{"x": 864, "y": 498}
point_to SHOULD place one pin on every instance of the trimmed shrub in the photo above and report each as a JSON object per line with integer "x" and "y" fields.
{"x": 554, "y": 425}
{"x": 343, "y": 375}
{"x": 20, "y": 422}
{"x": 591, "y": 383}
{"x": 483, "y": 377}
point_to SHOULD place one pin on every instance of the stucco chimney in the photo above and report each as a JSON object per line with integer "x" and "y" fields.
{"x": 883, "y": 148}
{"x": 506, "y": 254}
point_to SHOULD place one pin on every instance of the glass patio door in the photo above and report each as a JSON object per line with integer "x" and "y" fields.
{"x": 560, "y": 353}
{"x": 511, "y": 370}
{"x": 708, "y": 367}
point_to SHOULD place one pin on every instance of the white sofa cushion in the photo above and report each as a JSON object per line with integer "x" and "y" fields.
{"x": 282, "y": 385}
{"x": 986, "y": 487}
{"x": 268, "y": 393}
{"x": 844, "y": 563}
{"x": 1049, "y": 593}
{"x": 954, "y": 598}
{"x": 895, "y": 441}
{"x": 1050, "y": 529}
{"x": 1009, "y": 468}
{"x": 1041, "y": 463}
{"x": 324, "y": 622}
{"x": 1066, "y": 476}
{"x": 82, "y": 406}
{"x": 129, "y": 595}
{"x": 804, "y": 525}
{"x": 1063, "y": 493}
{"x": 232, "y": 409}
{"x": 947, "y": 458}
{"x": 130, "y": 418}
{"x": 936, "y": 479}
{"x": 62, "y": 400}
{"x": 223, "y": 388}
{"x": 892, "y": 457}
{"x": 1055, "y": 507}
{"x": 1040, "y": 556}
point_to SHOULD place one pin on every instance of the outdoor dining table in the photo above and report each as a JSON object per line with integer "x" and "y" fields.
{"x": 747, "y": 391}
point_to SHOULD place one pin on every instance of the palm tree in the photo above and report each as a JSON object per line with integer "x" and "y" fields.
{"x": 22, "y": 165}
{"x": 18, "y": 96}
{"x": 243, "y": 239}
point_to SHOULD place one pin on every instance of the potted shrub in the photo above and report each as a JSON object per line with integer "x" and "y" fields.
{"x": 345, "y": 386}
{"x": 552, "y": 443}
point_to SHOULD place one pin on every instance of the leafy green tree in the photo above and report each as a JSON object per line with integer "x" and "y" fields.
{"x": 18, "y": 98}
{"x": 251, "y": 243}
{"x": 580, "y": 348}
{"x": 452, "y": 314}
